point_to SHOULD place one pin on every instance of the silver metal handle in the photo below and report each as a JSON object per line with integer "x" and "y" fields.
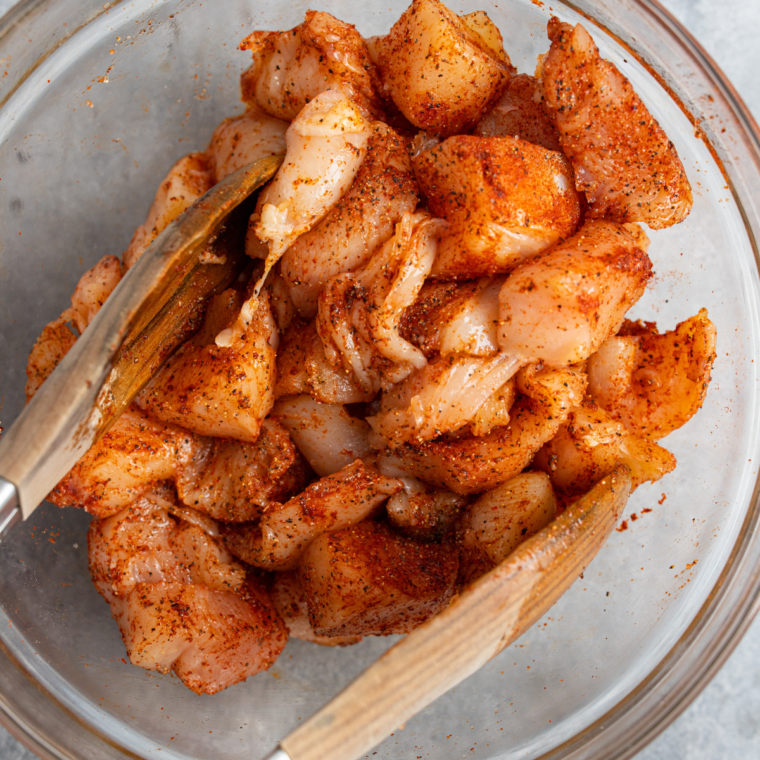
{"x": 278, "y": 754}
{"x": 10, "y": 512}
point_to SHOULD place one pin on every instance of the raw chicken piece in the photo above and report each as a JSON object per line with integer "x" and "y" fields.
{"x": 519, "y": 112}
{"x": 653, "y": 383}
{"x": 359, "y": 314}
{"x": 496, "y": 410}
{"x": 561, "y": 306}
{"x": 326, "y": 145}
{"x": 93, "y": 289}
{"x": 134, "y": 456}
{"x": 181, "y": 601}
{"x": 210, "y": 639}
{"x": 222, "y": 391}
{"x": 623, "y": 159}
{"x": 419, "y": 511}
{"x": 289, "y": 598}
{"x": 222, "y": 309}
{"x": 235, "y": 481}
{"x": 437, "y": 305}
{"x": 500, "y": 520}
{"x": 245, "y": 138}
{"x": 368, "y": 581}
{"x": 591, "y": 444}
{"x": 186, "y": 181}
{"x": 391, "y": 281}
{"x": 302, "y": 367}
{"x": 471, "y": 464}
{"x": 455, "y": 318}
{"x": 228, "y": 479}
{"x": 56, "y": 340}
{"x": 283, "y": 308}
{"x": 504, "y": 199}
{"x": 326, "y": 434}
{"x": 442, "y": 397}
{"x": 332, "y": 503}
{"x": 292, "y": 68}
{"x": 441, "y": 70}
{"x": 362, "y": 220}
{"x": 144, "y": 543}
{"x": 473, "y": 328}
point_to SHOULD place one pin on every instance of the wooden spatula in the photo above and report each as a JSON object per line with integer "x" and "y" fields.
{"x": 486, "y": 617}
{"x": 145, "y": 319}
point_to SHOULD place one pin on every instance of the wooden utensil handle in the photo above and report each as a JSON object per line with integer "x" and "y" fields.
{"x": 487, "y": 616}
{"x": 83, "y": 396}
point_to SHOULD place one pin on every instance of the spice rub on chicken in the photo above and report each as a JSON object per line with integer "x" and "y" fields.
{"x": 623, "y": 160}
{"x": 181, "y": 601}
{"x": 434, "y": 357}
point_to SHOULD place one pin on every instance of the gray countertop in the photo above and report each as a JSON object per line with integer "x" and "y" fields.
{"x": 724, "y": 721}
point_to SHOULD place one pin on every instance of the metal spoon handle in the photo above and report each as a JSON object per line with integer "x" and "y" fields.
{"x": 10, "y": 512}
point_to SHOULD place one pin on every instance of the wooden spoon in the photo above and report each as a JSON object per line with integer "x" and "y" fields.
{"x": 152, "y": 311}
{"x": 486, "y": 617}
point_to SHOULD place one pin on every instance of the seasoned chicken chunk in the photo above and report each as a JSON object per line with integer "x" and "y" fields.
{"x": 292, "y": 68}
{"x": 146, "y": 543}
{"x": 473, "y": 464}
{"x": 288, "y": 597}
{"x": 326, "y": 145}
{"x": 56, "y": 340}
{"x": 455, "y": 318}
{"x": 235, "y": 481}
{"x": 561, "y": 306}
{"x": 359, "y": 313}
{"x": 210, "y": 639}
{"x": 654, "y": 383}
{"x": 332, "y": 503}
{"x": 326, "y": 434}
{"x": 181, "y": 601}
{"x": 219, "y": 390}
{"x": 186, "y": 181}
{"x": 623, "y": 159}
{"x": 519, "y": 112}
{"x": 227, "y": 479}
{"x": 361, "y": 221}
{"x": 504, "y": 199}
{"x": 591, "y": 444}
{"x": 442, "y": 397}
{"x": 245, "y": 138}
{"x": 496, "y": 410}
{"x": 501, "y": 519}
{"x": 438, "y": 305}
{"x": 135, "y": 455}
{"x": 420, "y": 511}
{"x": 93, "y": 289}
{"x": 367, "y": 581}
{"x": 302, "y": 367}
{"x": 441, "y": 70}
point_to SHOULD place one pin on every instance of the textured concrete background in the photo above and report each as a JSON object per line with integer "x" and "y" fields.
{"x": 724, "y": 722}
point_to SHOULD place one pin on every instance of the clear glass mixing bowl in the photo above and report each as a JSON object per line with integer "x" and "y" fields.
{"x": 97, "y": 102}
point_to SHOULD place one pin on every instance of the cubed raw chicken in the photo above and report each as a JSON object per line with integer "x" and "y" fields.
{"x": 367, "y": 580}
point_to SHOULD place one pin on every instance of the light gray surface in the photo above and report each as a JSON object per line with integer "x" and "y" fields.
{"x": 724, "y": 722}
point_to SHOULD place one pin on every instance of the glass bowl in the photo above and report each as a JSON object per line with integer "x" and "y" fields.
{"x": 97, "y": 102}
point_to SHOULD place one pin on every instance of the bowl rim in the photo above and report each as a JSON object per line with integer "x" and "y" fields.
{"x": 652, "y": 712}
{"x": 649, "y": 713}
